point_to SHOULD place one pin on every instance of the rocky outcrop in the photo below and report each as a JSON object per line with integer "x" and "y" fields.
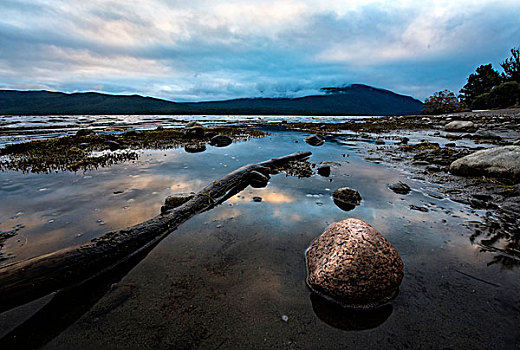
{"x": 460, "y": 125}
{"x": 346, "y": 198}
{"x": 497, "y": 162}
{"x": 354, "y": 265}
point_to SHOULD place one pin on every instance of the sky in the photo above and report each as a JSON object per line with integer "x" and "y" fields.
{"x": 210, "y": 50}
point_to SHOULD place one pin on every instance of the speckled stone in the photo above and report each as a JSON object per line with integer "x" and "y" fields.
{"x": 354, "y": 265}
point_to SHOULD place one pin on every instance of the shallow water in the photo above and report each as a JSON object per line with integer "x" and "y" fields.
{"x": 234, "y": 277}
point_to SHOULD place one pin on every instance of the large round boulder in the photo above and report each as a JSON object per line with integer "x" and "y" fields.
{"x": 346, "y": 198}
{"x": 497, "y": 162}
{"x": 354, "y": 265}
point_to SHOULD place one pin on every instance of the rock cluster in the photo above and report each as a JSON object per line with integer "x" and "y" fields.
{"x": 354, "y": 265}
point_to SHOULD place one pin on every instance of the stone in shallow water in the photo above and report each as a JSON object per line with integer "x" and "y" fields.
{"x": 221, "y": 140}
{"x": 195, "y": 147}
{"x": 315, "y": 140}
{"x": 400, "y": 188}
{"x": 354, "y": 265}
{"x": 346, "y": 198}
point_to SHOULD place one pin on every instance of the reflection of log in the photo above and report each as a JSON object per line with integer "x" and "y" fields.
{"x": 30, "y": 279}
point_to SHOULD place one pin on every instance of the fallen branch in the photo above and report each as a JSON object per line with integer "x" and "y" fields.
{"x": 27, "y": 280}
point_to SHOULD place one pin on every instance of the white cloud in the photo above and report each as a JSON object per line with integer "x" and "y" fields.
{"x": 204, "y": 49}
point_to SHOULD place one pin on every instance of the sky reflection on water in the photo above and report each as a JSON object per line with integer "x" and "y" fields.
{"x": 240, "y": 266}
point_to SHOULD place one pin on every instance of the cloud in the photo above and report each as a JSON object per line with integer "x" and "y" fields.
{"x": 207, "y": 50}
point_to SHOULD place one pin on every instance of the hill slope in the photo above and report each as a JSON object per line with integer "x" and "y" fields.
{"x": 356, "y": 99}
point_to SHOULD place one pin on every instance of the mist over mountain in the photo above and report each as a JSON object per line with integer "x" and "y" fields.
{"x": 355, "y": 99}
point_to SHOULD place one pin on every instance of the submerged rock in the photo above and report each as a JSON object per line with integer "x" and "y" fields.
{"x": 221, "y": 141}
{"x": 346, "y": 198}
{"x": 315, "y": 140}
{"x": 460, "y": 125}
{"x": 354, "y": 265}
{"x": 497, "y": 162}
{"x": 400, "y": 188}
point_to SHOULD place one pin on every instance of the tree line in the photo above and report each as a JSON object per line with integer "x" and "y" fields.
{"x": 485, "y": 89}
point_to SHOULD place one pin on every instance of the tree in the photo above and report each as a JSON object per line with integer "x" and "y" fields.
{"x": 502, "y": 96}
{"x": 511, "y": 66}
{"x": 442, "y": 102}
{"x": 479, "y": 83}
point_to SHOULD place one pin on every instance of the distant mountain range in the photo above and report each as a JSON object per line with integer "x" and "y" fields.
{"x": 356, "y": 99}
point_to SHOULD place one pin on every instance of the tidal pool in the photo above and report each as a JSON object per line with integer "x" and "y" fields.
{"x": 234, "y": 277}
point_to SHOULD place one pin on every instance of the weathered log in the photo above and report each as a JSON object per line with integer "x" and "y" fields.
{"x": 26, "y": 280}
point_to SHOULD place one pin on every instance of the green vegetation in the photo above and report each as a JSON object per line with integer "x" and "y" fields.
{"x": 484, "y": 89}
{"x": 502, "y": 96}
{"x": 485, "y": 79}
{"x": 442, "y": 102}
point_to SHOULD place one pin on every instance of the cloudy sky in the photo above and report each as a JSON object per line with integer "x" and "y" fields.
{"x": 207, "y": 49}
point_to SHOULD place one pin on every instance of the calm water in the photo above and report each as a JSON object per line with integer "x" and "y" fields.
{"x": 234, "y": 277}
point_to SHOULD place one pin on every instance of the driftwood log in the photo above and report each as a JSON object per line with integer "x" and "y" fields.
{"x": 27, "y": 280}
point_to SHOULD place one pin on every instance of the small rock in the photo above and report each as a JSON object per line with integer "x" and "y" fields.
{"x": 221, "y": 141}
{"x": 85, "y": 132}
{"x": 324, "y": 170}
{"x": 400, "y": 188}
{"x": 346, "y": 198}
{"x": 192, "y": 124}
{"x": 131, "y": 132}
{"x": 415, "y": 207}
{"x": 113, "y": 145}
{"x": 405, "y": 140}
{"x": 315, "y": 140}
{"x": 354, "y": 265}
{"x": 486, "y": 135}
{"x": 84, "y": 145}
{"x": 257, "y": 179}
{"x": 380, "y": 142}
{"x": 194, "y": 132}
{"x": 195, "y": 147}
{"x": 257, "y": 199}
{"x": 460, "y": 125}
{"x": 160, "y": 128}
{"x": 177, "y": 199}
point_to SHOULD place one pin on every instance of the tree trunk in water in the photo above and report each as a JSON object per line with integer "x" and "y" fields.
{"x": 24, "y": 281}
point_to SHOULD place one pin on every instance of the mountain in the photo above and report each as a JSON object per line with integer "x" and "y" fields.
{"x": 356, "y": 99}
